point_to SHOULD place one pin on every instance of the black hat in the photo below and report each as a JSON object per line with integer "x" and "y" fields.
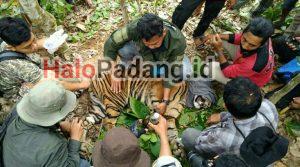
{"x": 263, "y": 146}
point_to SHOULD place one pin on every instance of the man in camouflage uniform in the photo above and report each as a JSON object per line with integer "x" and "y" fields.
{"x": 17, "y": 76}
{"x": 154, "y": 40}
{"x": 38, "y": 16}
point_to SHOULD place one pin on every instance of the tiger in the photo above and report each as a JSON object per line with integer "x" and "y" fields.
{"x": 148, "y": 92}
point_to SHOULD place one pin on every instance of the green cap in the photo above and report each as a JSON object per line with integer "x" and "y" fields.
{"x": 46, "y": 104}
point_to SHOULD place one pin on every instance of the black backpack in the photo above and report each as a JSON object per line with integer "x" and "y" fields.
{"x": 3, "y": 129}
{"x": 263, "y": 146}
{"x": 11, "y": 55}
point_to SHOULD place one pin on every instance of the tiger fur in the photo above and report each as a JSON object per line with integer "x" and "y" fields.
{"x": 148, "y": 92}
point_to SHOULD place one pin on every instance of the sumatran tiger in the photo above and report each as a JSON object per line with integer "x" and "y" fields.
{"x": 148, "y": 92}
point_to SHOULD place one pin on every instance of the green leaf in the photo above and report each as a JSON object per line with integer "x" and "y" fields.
{"x": 184, "y": 119}
{"x": 155, "y": 148}
{"x": 153, "y": 138}
{"x": 125, "y": 120}
{"x": 145, "y": 137}
{"x": 293, "y": 128}
{"x": 139, "y": 109}
{"x": 187, "y": 118}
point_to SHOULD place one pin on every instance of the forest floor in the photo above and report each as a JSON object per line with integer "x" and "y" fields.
{"x": 89, "y": 28}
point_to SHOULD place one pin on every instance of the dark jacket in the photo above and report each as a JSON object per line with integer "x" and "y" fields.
{"x": 30, "y": 145}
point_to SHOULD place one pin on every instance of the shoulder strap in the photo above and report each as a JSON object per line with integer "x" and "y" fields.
{"x": 268, "y": 121}
{"x": 239, "y": 130}
{"x": 11, "y": 55}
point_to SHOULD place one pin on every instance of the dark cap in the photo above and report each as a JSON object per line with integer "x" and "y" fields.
{"x": 119, "y": 148}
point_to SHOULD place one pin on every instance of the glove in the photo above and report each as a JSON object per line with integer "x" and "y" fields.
{"x": 55, "y": 41}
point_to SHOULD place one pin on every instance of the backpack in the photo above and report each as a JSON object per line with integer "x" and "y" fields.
{"x": 11, "y": 55}
{"x": 3, "y": 129}
{"x": 263, "y": 146}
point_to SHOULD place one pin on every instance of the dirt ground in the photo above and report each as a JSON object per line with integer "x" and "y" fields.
{"x": 92, "y": 49}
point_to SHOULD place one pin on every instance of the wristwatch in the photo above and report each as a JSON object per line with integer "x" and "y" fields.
{"x": 165, "y": 101}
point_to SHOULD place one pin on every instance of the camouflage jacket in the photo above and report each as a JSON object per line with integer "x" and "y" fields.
{"x": 174, "y": 44}
{"x": 14, "y": 73}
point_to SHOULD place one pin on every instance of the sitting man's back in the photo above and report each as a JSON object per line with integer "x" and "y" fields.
{"x": 31, "y": 140}
{"x": 247, "y": 111}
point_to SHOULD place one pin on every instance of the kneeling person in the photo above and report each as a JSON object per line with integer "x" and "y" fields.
{"x": 31, "y": 139}
{"x": 153, "y": 39}
{"x": 247, "y": 110}
{"x": 251, "y": 52}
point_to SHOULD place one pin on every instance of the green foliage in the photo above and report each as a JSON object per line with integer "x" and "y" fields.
{"x": 101, "y": 134}
{"x": 194, "y": 118}
{"x": 139, "y": 109}
{"x": 273, "y": 13}
{"x": 97, "y": 21}
{"x": 59, "y": 8}
{"x": 292, "y": 128}
{"x": 150, "y": 142}
{"x": 125, "y": 120}
{"x": 9, "y": 8}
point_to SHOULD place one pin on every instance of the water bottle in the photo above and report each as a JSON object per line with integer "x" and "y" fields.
{"x": 154, "y": 119}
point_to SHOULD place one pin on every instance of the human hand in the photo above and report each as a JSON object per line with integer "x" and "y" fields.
{"x": 217, "y": 43}
{"x": 214, "y": 118}
{"x": 292, "y": 44}
{"x": 230, "y": 4}
{"x": 208, "y": 38}
{"x": 295, "y": 104}
{"x": 85, "y": 83}
{"x": 65, "y": 126}
{"x": 161, "y": 108}
{"x": 161, "y": 128}
{"x": 76, "y": 130}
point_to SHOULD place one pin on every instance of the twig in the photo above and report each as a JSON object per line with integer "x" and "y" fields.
{"x": 124, "y": 11}
{"x": 283, "y": 111}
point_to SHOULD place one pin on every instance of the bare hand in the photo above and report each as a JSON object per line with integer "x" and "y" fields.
{"x": 208, "y": 38}
{"x": 292, "y": 46}
{"x": 65, "y": 126}
{"x": 76, "y": 129}
{"x": 214, "y": 118}
{"x": 230, "y": 4}
{"x": 161, "y": 108}
{"x": 295, "y": 104}
{"x": 217, "y": 43}
{"x": 85, "y": 83}
{"x": 161, "y": 128}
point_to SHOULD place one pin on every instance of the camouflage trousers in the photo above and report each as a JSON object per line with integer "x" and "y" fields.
{"x": 5, "y": 107}
{"x": 38, "y": 16}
